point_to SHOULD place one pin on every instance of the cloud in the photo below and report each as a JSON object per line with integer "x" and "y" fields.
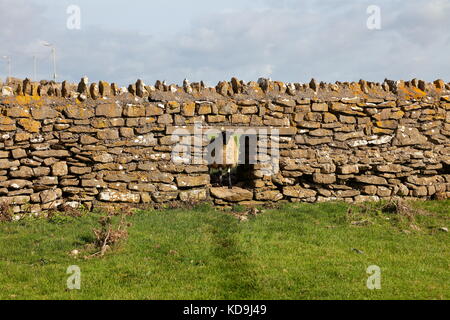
{"x": 287, "y": 40}
{"x": 18, "y": 19}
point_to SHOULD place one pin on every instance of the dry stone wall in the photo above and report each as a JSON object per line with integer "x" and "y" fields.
{"x": 64, "y": 144}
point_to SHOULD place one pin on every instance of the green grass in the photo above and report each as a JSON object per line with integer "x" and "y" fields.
{"x": 303, "y": 251}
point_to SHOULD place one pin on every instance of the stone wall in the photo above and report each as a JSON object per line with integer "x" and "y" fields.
{"x": 98, "y": 144}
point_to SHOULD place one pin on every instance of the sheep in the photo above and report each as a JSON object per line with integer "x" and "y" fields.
{"x": 226, "y": 156}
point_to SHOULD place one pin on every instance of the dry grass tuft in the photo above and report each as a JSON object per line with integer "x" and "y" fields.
{"x": 109, "y": 234}
{"x": 397, "y": 210}
{"x": 6, "y": 213}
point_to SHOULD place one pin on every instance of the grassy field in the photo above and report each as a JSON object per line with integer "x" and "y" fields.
{"x": 303, "y": 251}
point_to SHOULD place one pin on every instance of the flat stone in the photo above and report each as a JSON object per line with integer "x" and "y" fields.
{"x": 193, "y": 195}
{"x": 18, "y": 112}
{"x": 161, "y": 197}
{"x": 6, "y": 121}
{"x": 384, "y": 192}
{"x": 387, "y": 124}
{"x": 165, "y": 119}
{"x": 60, "y": 168}
{"x": 109, "y": 110}
{"x": 348, "y": 136}
{"x": 329, "y": 117}
{"x": 321, "y": 133}
{"x": 23, "y": 172}
{"x": 216, "y": 119}
{"x": 390, "y": 168}
{"x": 298, "y": 192}
{"x": 324, "y": 178}
{"x": 188, "y": 109}
{"x": 41, "y": 171}
{"x": 79, "y": 112}
{"x": 22, "y": 136}
{"x": 119, "y": 177}
{"x": 347, "y": 119}
{"x": 44, "y": 112}
{"x": 18, "y": 153}
{"x": 160, "y": 177}
{"x": 17, "y": 200}
{"x": 421, "y": 191}
{"x": 423, "y": 181}
{"x": 51, "y": 153}
{"x": 16, "y": 184}
{"x": 269, "y": 195}
{"x": 117, "y": 196}
{"x": 345, "y": 109}
{"x": 103, "y": 158}
{"x": 154, "y": 110}
{"x": 407, "y": 136}
{"x": 80, "y": 170}
{"x": 85, "y": 139}
{"x": 134, "y": 111}
{"x": 93, "y": 183}
{"x": 30, "y": 125}
{"x": 204, "y": 109}
{"x": 50, "y": 195}
{"x": 229, "y": 108}
{"x": 285, "y": 102}
{"x": 108, "y": 134}
{"x": 193, "y": 181}
{"x": 231, "y": 195}
{"x": 142, "y": 187}
{"x": 6, "y": 164}
{"x": 147, "y": 140}
{"x": 347, "y": 193}
{"x": 349, "y": 169}
{"x": 317, "y": 141}
{"x": 240, "y": 119}
{"x": 319, "y": 107}
{"x": 371, "y": 180}
{"x": 47, "y": 181}
{"x": 360, "y": 199}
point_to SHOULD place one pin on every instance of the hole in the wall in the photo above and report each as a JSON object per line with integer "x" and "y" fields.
{"x": 247, "y": 158}
{"x": 445, "y": 169}
{"x": 242, "y": 172}
{"x": 306, "y": 179}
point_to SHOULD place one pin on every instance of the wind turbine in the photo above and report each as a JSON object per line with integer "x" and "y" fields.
{"x": 46, "y": 44}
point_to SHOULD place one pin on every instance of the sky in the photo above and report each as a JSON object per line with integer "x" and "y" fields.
{"x": 286, "y": 40}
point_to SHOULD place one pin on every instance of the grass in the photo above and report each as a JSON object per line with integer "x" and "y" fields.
{"x": 301, "y": 251}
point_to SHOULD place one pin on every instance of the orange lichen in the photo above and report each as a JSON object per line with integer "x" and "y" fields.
{"x": 411, "y": 92}
{"x": 27, "y": 99}
{"x": 30, "y": 125}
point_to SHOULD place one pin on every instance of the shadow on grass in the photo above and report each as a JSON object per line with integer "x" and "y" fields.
{"x": 238, "y": 279}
